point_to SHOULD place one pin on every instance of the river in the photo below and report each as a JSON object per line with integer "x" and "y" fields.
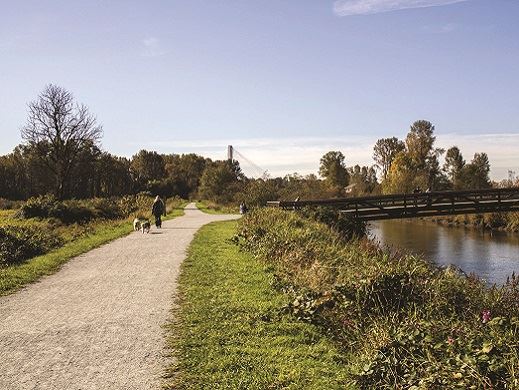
{"x": 492, "y": 256}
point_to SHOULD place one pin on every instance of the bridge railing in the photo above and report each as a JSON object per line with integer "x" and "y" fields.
{"x": 417, "y": 204}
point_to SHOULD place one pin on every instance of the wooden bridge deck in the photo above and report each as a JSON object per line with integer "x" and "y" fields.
{"x": 424, "y": 204}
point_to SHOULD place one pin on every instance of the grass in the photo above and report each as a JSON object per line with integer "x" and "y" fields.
{"x": 14, "y": 277}
{"x": 230, "y": 333}
{"x": 213, "y": 208}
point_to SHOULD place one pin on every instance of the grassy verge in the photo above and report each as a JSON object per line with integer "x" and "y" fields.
{"x": 213, "y": 208}
{"x": 15, "y": 277}
{"x": 229, "y": 332}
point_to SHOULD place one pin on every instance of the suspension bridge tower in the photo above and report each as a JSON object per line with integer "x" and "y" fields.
{"x": 233, "y": 155}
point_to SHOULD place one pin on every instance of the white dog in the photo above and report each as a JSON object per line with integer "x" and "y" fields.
{"x": 136, "y": 224}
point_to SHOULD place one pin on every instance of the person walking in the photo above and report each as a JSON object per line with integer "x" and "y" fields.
{"x": 158, "y": 209}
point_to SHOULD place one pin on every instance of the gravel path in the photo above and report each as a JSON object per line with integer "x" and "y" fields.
{"x": 96, "y": 324}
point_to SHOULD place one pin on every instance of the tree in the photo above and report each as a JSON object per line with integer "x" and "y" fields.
{"x": 402, "y": 176}
{"x": 147, "y": 166}
{"x": 363, "y": 179}
{"x": 419, "y": 143}
{"x": 474, "y": 176}
{"x": 58, "y": 130}
{"x": 453, "y": 165}
{"x": 384, "y": 153}
{"x": 333, "y": 170}
{"x": 185, "y": 172}
{"x": 220, "y": 181}
{"x": 418, "y": 165}
{"x": 112, "y": 176}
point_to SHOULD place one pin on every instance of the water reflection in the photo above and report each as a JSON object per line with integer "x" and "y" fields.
{"x": 492, "y": 256}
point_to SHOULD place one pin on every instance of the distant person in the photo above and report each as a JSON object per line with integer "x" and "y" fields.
{"x": 158, "y": 209}
{"x": 243, "y": 208}
{"x": 416, "y": 191}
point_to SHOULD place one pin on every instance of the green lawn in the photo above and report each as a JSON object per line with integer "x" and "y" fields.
{"x": 229, "y": 332}
{"x": 14, "y": 277}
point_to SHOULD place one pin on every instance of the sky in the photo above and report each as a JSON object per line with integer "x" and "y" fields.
{"x": 282, "y": 81}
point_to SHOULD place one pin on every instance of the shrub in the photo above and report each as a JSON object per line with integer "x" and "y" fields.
{"x": 135, "y": 205}
{"x": 21, "y": 243}
{"x": 39, "y": 207}
{"x": 8, "y": 204}
{"x": 348, "y": 227}
{"x": 73, "y": 211}
{"x": 106, "y": 208}
{"x": 81, "y": 211}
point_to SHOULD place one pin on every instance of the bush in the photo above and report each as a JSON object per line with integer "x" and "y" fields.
{"x": 348, "y": 227}
{"x": 136, "y": 205}
{"x": 73, "y": 211}
{"x": 8, "y": 204}
{"x": 82, "y": 211}
{"x": 39, "y": 207}
{"x": 106, "y": 208}
{"x": 18, "y": 244}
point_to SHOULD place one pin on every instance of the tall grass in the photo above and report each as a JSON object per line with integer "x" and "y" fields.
{"x": 404, "y": 322}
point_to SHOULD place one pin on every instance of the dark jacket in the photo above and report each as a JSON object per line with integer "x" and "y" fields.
{"x": 158, "y": 208}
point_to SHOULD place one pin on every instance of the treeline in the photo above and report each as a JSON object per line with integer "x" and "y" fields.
{"x": 96, "y": 173}
{"x": 415, "y": 164}
{"x": 61, "y": 155}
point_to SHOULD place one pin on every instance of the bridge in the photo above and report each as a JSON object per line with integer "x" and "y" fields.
{"x": 425, "y": 204}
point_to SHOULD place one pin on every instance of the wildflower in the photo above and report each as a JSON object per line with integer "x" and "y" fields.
{"x": 450, "y": 340}
{"x": 485, "y": 316}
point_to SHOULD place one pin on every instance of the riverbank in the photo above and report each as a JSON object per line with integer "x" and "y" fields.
{"x": 231, "y": 332}
{"x": 506, "y": 222}
{"x": 402, "y": 321}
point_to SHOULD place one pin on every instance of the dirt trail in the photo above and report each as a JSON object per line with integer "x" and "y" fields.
{"x": 96, "y": 324}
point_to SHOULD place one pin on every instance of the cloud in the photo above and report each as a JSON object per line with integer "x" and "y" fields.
{"x": 367, "y": 7}
{"x": 152, "y": 47}
{"x": 441, "y": 29}
{"x": 281, "y": 156}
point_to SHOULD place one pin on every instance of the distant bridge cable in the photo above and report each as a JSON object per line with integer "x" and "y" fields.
{"x": 234, "y": 154}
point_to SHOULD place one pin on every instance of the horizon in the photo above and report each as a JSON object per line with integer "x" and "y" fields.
{"x": 284, "y": 83}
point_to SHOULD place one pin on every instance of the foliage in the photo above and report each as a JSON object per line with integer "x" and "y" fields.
{"x": 8, "y": 204}
{"x": 363, "y": 180}
{"x": 417, "y": 166}
{"x": 220, "y": 181}
{"x": 453, "y": 166}
{"x": 333, "y": 170}
{"x": 82, "y": 211}
{"x": 347, "y": 227}
{"x": 385, "y": 151}
{"x": 475, "y": 175}
{"x": 18, "y": 243}
{"x": 147, "y": 166}
{"x": 403, "y": 322}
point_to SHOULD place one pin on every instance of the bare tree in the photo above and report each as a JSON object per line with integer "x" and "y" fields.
{"x": 58, "y": 129}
